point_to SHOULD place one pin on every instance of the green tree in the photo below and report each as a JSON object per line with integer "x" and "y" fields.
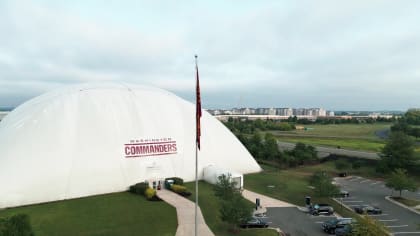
{"x": 303, "y": 153}
{"x": 399, "y": 181}
{"x": 341, "y": 164}
{"x": 234, "y": 208}
{"x": 413, "y": 116}
{"x": 415, "y": 132}
{"x": 256, "y": 146}
{"x": 235, "y": 211}
{"x": 323, "y": 184}
{"x": 401, "y": 125}
{"x": 367, "y": 226}
{"x": 398, "y": 151}
{"x": 225, "y": 188}
{"x": 271, "y": 149}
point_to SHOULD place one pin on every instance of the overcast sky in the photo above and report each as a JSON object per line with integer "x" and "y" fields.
{"x": 340, "y": 55}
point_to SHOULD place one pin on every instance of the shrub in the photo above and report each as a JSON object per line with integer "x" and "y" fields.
{"x": 177, "y": 180}
{"x": 181, "y": 190}
{"x": 341, "y": 164}
{"x": 139, "y": 188}
{"x": 150, "y": 193}
{"x": 356, "y": 165}
{"x": 178, "y": 188}
{"x": 16, "y": 225}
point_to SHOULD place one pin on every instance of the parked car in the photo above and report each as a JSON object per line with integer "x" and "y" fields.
{"x": 342, "y": 174}
{"x": 331, "y": 225}
{"x": 346, "y": 230}
{"x": 343, "y": 194}
{"x": 260, "y": 214}
{"x": 321, "y": 209}
{"x": 254, "y": 223}
{"x": 367, "y": 209}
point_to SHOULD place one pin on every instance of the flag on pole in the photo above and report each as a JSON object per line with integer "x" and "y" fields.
{"x": 198, "y": 106}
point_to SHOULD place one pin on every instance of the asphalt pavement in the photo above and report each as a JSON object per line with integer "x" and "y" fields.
{"x": 398, "y": 220}
{"x": 295, "y": 222}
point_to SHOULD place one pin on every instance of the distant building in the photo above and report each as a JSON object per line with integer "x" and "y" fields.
{"x": 284, "y": 111}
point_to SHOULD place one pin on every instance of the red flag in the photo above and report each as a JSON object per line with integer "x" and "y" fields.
{"x": 198, "y": 107}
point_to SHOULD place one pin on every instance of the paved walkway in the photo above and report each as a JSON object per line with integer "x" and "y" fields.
{"x": 264, "y": 200}
{"x": 185, "y": 210}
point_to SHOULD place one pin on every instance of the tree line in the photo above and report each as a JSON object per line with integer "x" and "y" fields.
{"x": 399, "y": 151}
{"x": 265, "y": 148}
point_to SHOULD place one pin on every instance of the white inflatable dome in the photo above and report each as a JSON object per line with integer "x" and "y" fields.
{"x": 88, "y": 140}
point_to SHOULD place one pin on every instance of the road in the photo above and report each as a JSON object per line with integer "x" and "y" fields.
{"x": 325, "y": 151}
{"x": 399, "y": 221}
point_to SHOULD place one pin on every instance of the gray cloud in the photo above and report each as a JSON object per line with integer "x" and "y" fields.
{"x": 339, "y": 55}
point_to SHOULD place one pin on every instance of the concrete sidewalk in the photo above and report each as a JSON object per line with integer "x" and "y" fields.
{"x": 265, "y": 201}
{"x": 185, "y": 210}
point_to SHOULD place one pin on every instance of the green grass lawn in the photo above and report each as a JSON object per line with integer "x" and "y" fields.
{"x": 210, "y": 206}
{"x": 112, "y": 214}
{"x": 372, "y": 145}
{"x": 342, "y": 130}
{"x": 350, "y": 136}
{"x": 407, "y": 202}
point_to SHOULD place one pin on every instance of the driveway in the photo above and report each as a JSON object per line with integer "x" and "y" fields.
{"x": 398, "y": 220}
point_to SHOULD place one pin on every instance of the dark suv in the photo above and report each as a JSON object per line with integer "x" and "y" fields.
{"x": 321, "y": 209}
{"x": 331, "y": 225}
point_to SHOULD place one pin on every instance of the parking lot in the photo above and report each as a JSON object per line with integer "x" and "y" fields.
{"x": 296, "y": 222}
{"x": 398, "y": 220}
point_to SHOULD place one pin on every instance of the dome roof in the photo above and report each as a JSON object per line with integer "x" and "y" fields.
{"x": 94, "y": 139}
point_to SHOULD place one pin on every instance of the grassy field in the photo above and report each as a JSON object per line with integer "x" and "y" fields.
{"x": 112, "y": 214}
{"x": 354, "y": 144}
{"x": 407, "y": 202}
{"x": 350, "y": 136}
{"x": 365, "y": 131}
{"x": 210, "y": 206}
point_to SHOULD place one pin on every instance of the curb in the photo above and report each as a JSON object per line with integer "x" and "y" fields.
{"x": 302, "y": 209}
{"x": 401, "y": 205}
{"x": 343, "y": 205}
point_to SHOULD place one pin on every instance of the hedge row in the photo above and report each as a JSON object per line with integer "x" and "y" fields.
{"x": 144, "y": 189}
{"x": 181, "y": 190}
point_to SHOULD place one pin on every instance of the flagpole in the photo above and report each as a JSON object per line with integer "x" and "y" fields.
{"x": 196, "y": 159}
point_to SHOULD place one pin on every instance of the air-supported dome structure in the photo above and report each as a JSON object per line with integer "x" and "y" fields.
{"x": 94, "y": 139}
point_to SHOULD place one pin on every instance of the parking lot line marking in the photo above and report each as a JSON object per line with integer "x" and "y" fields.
{"x": 396, "y": 226}
{"x": 353, "y": 179}
{"x": 379, "y": 215}
{"x": 364, "y": 181}
{"x": 319, "y": 222}
{"x": 352, "y": 201}
{"x": 375, "y": 183}
{"x": 406, "y": 233}
{"x": 388, "y": 220}
{"x": 353, "y": 205}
